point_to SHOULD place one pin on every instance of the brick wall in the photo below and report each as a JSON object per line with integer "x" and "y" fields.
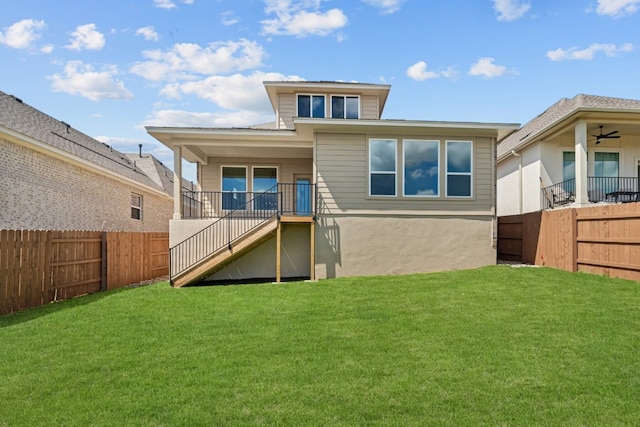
{"x": 41, "y": 192}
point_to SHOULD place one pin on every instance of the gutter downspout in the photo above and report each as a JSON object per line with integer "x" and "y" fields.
{"x": 520, "y": 201}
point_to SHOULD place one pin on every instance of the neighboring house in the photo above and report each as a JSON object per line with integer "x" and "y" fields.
{"x": 53, "y": 177}
{"x": 330, "y": 189}
{"x": 580, "y": 151}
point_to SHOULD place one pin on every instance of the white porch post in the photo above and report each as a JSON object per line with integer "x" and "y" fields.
{"x": 582, "y": 197}
{"x": 177, "y": 182}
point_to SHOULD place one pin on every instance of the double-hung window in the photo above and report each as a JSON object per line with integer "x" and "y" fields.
{"x": 345, "y": 107}
{"x": 421, "y": 160}
{"x": 311, "y": 106}
{"x": 382, "y": 167}
{"x": 136, "y": 206}
{"x": 459, "y": 168}
{"x": 607, "y": 168}
{"x": 234, "y": 187}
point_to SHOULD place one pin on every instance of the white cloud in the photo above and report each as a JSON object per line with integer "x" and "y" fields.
{"x": 510, "y": 10}
{"x": 486, "y": 68}
{"x": 301, "y": 18}
{"x": 229, "y": 18}
{"x": 587, "y": 54}
{"x": 235, "y": 92}
{"x": 148, "y": 32}
{"x": 169, "y": 4}
{"x": 86, "y": 37}
{"x": 184, "y": 61}
{"x": 418, "y": 71}
{"x": 180, "y": 118}
{"x": 81, "y": 79}
{"x": 47, "y": 48}
{"x": 617, "y": 8}
{"x": 386, "y": 7}
{"x": 21, "y": 34}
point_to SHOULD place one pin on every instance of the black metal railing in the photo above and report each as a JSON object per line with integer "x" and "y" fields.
{"x": 599, "y": 189}
{"x": 238, "y": 214}
{"x": 287, "y": 199}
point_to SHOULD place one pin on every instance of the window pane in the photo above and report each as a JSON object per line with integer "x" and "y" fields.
{"x": 568, "y": 165}
{"x": 304, "y": 106}
{"x": 337, "y": 107}
{"x": 383, "y": 184}
{"x": 318, "y": 106}
{"x": 421, "y": 159}
{"x": 383, "y": 155}
{"x": 234, "y": 179}
{"x": 459, "y": 185}
{"x": 458, "y": 156}
{"x": 264, "y": 179}
{"x": 606, "y": 164}
{"x": 353, "y": 110}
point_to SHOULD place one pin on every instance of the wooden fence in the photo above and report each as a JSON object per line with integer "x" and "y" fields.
{"x": 38, "y": 267}
{"x": 602, "y": 239}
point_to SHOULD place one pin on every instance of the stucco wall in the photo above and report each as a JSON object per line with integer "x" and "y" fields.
{"x": 38, "y": 191}
{"x": 371, "y": 245}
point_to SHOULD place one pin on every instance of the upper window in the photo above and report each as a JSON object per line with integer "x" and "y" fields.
{"x": 421, "y": 167}
{"x": 234, "y": 187}
{"x": 311, "y": 106}
{"x": 345, "y": 107}
{"x": 136, "y": 206}
{"x": 382, "y": 167}
{"x": 459, "y": 166}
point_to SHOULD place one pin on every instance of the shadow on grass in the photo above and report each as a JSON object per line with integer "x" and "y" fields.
{"x": 33, "y": 313}
{"x": 257, "y": 281}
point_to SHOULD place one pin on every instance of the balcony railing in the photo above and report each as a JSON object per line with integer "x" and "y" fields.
{"x": 599, "y": 189}
{"x": 283, "y": 199}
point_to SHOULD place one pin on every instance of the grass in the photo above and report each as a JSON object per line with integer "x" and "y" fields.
{"x": 492, "y": 346}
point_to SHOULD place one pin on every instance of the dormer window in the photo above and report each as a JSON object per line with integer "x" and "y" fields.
{"x": 311, "y": 106}
{"x": 345, "y": 107}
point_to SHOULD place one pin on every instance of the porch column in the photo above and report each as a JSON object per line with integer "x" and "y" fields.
{"x": 177, "y": 182}
{"x": 582, "y": 197}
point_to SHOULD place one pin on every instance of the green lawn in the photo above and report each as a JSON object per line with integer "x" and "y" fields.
{"x": 492, "y": 346}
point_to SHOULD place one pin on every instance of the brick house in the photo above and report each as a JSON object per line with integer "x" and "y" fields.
{"x": 54, "y": 177}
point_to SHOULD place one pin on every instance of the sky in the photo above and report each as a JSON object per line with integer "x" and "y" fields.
{"x": 110, "y": 68}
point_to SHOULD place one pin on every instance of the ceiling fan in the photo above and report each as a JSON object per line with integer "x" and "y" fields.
{"x": 610, "y": 135}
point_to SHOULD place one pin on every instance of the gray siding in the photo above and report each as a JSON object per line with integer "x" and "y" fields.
{"x": 286, "y": 110}
{"x": 342, "y": 177}
{"x": 369, "y": 107}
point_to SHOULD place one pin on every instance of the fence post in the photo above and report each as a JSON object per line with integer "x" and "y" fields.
{"x": 103, "y": 262}
{"x": 574, "y": 239}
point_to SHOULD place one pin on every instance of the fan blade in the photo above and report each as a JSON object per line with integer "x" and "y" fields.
{"x": 607, "y": 135}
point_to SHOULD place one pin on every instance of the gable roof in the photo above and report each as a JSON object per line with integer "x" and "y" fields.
{"x": 560, "y": 111}
{"x": 157, "y": 171}
{"x": 22, "y": 120}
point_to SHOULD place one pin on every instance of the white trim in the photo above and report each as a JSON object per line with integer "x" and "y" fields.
{"x": 428, "y": 196}
{"x": 447, "y": 173}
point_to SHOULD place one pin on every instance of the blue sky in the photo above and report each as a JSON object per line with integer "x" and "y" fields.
{"x": 109, "y": 68}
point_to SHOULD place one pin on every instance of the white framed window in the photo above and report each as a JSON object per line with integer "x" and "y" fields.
{"x": 265, "y": 187}
{"x": 459, "y": 168}
{"x": 234, "y": 187}
{"x": 382, "y": 167}
{"x": 345, "y": 107}
{"x": 311, "y": 106}
{"x": 136, "y": 206}
{"x": 421, "y": 168}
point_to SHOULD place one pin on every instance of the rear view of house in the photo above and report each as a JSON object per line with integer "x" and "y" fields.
{"x": 330, "y": 189}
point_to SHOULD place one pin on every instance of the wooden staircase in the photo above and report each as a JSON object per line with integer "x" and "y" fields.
{"x": 220, "y": 258}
